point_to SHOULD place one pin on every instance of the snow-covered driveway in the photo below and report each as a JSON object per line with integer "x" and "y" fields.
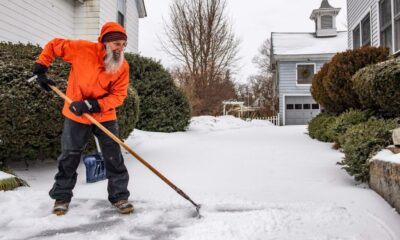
{"x": 254, "y": 181}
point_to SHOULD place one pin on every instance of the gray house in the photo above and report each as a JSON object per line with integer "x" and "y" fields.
{"x": 297, "y": 56}
{"x": 374, "y": 23}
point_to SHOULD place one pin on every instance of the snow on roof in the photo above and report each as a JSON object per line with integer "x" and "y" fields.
{"x": 307, "y": 43}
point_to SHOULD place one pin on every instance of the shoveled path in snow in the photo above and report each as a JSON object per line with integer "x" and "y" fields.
{"x": 254, "y": 182}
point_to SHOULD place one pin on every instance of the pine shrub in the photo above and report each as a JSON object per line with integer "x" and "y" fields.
{"x": 319, "y": 125}
{"x": 362, "y": 141}
{"x": 163, "y": 106}
{"x": 342, "y": 67}
{"x": 378, "y": 88}
{"x": 345, "y": 121}
{"x": 31, "y": 120}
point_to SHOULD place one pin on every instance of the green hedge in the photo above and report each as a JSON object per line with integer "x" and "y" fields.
{"x": 362, "y": 141}
{"x": 319, "y": 91}
{"x": 31, "y": 120}
{"x": 319, "y": 125}
{"x": 378, "y": 88}
{"x": 345, "y": 121}
{"x": 337, "y": 82}
{"x": 163, "y": 106}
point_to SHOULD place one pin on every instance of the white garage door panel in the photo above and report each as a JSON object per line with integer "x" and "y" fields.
{"x": 299, "y": 116}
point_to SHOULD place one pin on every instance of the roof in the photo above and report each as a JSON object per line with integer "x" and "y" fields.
{"x": 307, "y": 44}
{"x": 325, "y": 4}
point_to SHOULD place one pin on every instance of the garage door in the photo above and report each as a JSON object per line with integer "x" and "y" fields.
{"x": 299, "y": 110}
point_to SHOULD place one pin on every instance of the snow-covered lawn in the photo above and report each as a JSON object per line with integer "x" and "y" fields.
{"x": 254, "y": 181}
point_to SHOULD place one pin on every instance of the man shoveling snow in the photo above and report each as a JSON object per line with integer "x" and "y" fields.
{"x": 97, "y": 85}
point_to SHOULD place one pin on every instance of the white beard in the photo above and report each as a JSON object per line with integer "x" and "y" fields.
{"x": 113, "y": 61}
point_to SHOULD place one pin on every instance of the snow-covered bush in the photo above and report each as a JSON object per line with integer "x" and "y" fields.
{"x": 31, "y": 119}
{"x": 378, "y": 88}
{"x": 362, "y": 141}
{"x": 318, "y": 126}
{"x": 163, "y": 106}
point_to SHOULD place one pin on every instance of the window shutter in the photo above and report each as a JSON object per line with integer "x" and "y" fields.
{"x": 326, "y": 22}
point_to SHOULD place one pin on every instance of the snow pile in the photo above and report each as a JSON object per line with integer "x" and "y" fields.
{"x": 387, "y": 156}
{"x": 4, "y": 175}
{"x": 210, "y": 123}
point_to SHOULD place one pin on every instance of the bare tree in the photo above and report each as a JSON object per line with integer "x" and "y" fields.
{"x": 262, "y": 59}
{"x": 200, "y": 36}
{"x": 261, "y": 84}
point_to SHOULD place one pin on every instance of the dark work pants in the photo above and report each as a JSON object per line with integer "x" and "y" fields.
{"x": 73, "y": 141}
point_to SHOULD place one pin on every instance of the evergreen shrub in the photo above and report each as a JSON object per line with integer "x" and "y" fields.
{"x": 319, "y": 91}
{"x": 378, "y": 88}
{"x": 338, "y": 82}
{"x": 319, "y": 125}
{"x": 345, "y": 121}
{"x": 362, "y": 141}
{"x": 163, "y": 106}
{"x": 31, "y": 120}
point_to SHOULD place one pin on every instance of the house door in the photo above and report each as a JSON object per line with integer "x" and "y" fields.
{"x": 299, "y": 110}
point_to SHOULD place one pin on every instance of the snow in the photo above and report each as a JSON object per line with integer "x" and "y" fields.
{"x": 4, "y": 175}
{"x": 253, "y": 180}
{"x": 387, "y": 156}
{"x": 307, "y": 43}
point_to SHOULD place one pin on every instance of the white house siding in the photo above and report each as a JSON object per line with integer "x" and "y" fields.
{"x": 356, "y": 11}
{"x": 86, "y": 21}
{"x": 287, "y": 82}
{"x": 36, "y": 21}
{"x": 108, "y": 12}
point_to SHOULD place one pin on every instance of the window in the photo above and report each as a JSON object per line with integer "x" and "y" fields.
{"x": 298, "y": 106}
{"x": 385, "y": 14}
{"x": 326, "y": 22}
{"x": 366, "y": 31}
{"x": 396, "y": 25}
{"x": 305, "y": 73}
{"x": 289, "y": 106}
{"x": 121, "y": 12}
{"x": 315, "y": 106}
{"x": 306, "y": 106}
{"x": 356, "y": 37}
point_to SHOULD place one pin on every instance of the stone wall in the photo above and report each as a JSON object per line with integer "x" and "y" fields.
{"x": 385, "y": 180}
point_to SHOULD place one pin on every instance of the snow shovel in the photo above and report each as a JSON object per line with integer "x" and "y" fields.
{"x": 94, "y": 163}
{"x": 127, "y": 148}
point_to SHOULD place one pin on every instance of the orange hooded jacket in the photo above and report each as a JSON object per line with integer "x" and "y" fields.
{"x": 87, "y": 78}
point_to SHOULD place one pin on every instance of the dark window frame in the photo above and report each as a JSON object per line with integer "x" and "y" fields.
{"x": 291, "y": 106}
{"x": 315, "y": 106}
{"x": 356, "y": 37}
{"x": 366, "y": 30}
{"x": 121, "y": 12}
{"x": 298, "y": 106}
{"x": 385, "y": 28}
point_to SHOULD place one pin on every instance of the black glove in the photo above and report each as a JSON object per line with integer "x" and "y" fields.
{"x": 40, "y": 71}
{"x": 87, "y": 106}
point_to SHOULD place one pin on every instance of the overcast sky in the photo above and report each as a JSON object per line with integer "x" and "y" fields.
{"x": 252, "y": 20}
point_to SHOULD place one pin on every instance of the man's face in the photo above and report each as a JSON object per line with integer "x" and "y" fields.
{"x": 115, "y": 55}
{"x": 117, "y": 47}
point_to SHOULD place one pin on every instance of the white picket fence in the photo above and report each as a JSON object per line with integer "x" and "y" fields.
{"x": 273, "y": 119}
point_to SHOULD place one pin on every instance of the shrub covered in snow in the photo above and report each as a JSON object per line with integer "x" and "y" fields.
{"x": 362, "y": 141}
{"x": 337, "y": 82}
{"x": 378, "y": 88}
{"x": 31, "y": 119}
{"x": 318, "y": 126}
{"x": 163, "y": 106}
